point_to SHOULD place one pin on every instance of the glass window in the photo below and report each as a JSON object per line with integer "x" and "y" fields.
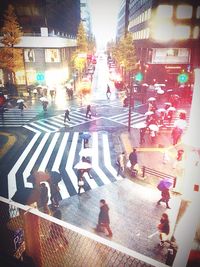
{"x": 52, "y": 55}
{"x": 182, "y": 32}
{"x": 184, "y": 12}
{"x": 164, "y": 11}
{"x": 29, "y": 55}
{"x": 198, "y": 12}
{"x": 195, "y": 34}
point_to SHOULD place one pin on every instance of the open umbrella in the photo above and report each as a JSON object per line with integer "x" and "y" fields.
{"x": 140, "y": 125}
{"x": 153, "y": 127}
{"x": 168, "y": 103}
{"x": 171, "y": 108}
{"x": 161, "y": 110}
{"x": 43, "y": 99}
{"x": 83, "y": 165}
{"x": 151, "y": 99}
{"x": 165, "y": 184}
{"x": 149, "y": 113}
{"x": 85, "y": 135}
{"x": 86, "y": 152}
{"x": 181, "y": 124}
{"x": 55, "y": 177}
{"x": 182, "y": 111}
{"x": 160, "y": 92}
{"x": 20, "y": 101}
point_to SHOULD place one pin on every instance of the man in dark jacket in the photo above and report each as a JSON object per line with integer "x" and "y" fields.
{"x": 104, "y": 220}
{"x": 133, "y": 158}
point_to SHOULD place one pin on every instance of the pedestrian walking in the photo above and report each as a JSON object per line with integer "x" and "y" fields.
{"x": 44, "y": 105}
{"x": 103, "y": 219}
{"x": 176, "y": 134}
{"x": 163, "y": 228}
{"x": 88, "y": 112}
{"x": 66, "y": 115}
{"x": 44, "y": 198}
{"x": 108, "y": 92}
{"x": 121, "y": 163}
{"x": 142, "y": 134}
{"x": 55, "y": 195}
{"x": 165, "y": 197}
{"x": 21, "y": 107}
{"x": 86, "y": 159}
{"x": 133, "y": 158}
{"x": 56, "y": 234}
{"x": 80, "y": 180}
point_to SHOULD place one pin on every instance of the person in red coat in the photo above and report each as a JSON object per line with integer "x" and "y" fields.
{"x": 165, "y": 197}
{"x": 104, "y": 220}
{"x": 163, "y": 228}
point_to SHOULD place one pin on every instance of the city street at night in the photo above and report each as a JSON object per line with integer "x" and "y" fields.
{"x": 98, "y": 137}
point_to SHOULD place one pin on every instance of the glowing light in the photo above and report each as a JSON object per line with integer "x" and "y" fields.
{"x": 164, "y": 11}
{"x": 184, "y": 12}
{"x": 182, "y": 32}
{"x": 196, "y": 32}
{"x": 56, "y": 76}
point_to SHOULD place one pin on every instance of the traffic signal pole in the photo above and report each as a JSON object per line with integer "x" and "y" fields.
{"x": 130, "y": 104}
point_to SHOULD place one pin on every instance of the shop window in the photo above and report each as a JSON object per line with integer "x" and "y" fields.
{"x": 198, "y": 12}
{"x": 52, "y": 55}
{"x": 195, "y": 33}
{"x": 29, "y": 55}
{"x": 164, "y": 11}
{"x": 182, "y": 32}
{"x": 184, "y": 12}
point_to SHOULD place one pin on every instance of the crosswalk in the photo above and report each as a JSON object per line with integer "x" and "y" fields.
{"x": 14, "y": 118}
{"x": 60, "y": 152}
{"x": 55, "y": 123}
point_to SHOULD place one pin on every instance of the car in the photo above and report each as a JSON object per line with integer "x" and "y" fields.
{"x": 119, "y": 85}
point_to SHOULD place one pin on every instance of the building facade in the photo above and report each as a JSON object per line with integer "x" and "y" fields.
{"x": 166, "y": 35}
{"x": 49, "y": 38}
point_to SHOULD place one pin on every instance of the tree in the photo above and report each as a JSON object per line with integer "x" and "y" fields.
{"x": 91, "y": 45}
{"x": 125, "y": 54}
{"x": 79, "y": 57}
{"x": 10, "y": 57}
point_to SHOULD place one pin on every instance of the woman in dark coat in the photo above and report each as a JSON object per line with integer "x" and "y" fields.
{"x": 163, "y": 228}
{"x": 104, "y": 220}
{"x": 165, "y": 197}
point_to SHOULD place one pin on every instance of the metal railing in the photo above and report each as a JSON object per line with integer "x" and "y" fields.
{"x": 51, "y": 242}
{"x": 161, "y": 175}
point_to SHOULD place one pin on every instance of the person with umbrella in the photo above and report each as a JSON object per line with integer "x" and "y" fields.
{"x": 164, "y": 186}
{"x": 80, "y": 173}
{"x": 55, "y": 194}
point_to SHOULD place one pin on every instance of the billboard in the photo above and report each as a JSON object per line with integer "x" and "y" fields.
{"x": 171, "y": 56}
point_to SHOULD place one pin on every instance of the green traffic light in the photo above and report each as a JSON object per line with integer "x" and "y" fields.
{"x": 139, "y": 77}
{"x": 182, "y": 78}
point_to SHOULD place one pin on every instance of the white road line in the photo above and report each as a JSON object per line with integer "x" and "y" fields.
{"x": 33, "y": 159}
{"x": 46, "y": 124}
{"x": 12, "y": 186}
{"x": 70, "y": 161}
{"x": 107, "y": 160}
{"x": 40, "y": 127}
{"x": 95, "y": 162}
{"x": 63, "y": 190}
{"x": 49, "y": 151}
{"x": 31, "y": 129}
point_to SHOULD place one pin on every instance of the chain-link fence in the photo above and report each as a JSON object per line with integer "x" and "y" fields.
{"x": 27, "y": 233}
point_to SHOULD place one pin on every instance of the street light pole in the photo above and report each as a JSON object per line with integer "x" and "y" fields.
{"x": 130, "y": 105}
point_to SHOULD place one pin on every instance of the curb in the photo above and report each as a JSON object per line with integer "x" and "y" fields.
{"x": 11, "y": 140}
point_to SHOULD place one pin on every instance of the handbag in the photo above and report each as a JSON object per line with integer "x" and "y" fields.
{"x": 80, "y": 183}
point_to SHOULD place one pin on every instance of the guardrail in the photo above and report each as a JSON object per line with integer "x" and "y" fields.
{"x": 161, "y": 175}
{"x": 51, "y": 242}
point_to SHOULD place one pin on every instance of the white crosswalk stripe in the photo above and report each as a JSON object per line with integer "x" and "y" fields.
{"x": 55, "y": 123}
{"x": 14, "y": 118}
{"x": 60, "y": 152}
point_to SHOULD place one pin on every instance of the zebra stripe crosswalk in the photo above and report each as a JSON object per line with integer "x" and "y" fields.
{"x": 55, "y": 123}
{"x": 14, "y": 118}
{"x": 60, "y": 152}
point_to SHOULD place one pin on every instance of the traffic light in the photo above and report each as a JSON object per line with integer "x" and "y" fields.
{"x": 183, "y": 78}
{"x": 40, "y": 77}
{"x": 139, "y": 77}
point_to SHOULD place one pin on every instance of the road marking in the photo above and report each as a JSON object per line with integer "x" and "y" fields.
{"x": 12, "y": 186}
{"x": 34, "y": 157}
{"x": 63, "y": 189}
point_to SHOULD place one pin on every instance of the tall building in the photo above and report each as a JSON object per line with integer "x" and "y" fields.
{"x": 166, "y": 35}
{"x": 50, "y": 28}
{"x": 85, "y": 17}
